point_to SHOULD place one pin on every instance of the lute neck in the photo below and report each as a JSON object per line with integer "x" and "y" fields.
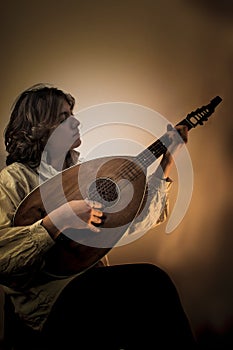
{"x": 159, "y": 147}
{"x": 151, "y": 153}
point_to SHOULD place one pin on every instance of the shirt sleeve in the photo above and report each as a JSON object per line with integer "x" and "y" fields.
{"x": 22, "y": 248}
{"x": 155, "y": 207}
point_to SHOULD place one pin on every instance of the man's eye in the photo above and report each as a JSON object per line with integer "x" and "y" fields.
{"x": 64, "y": 116}
{"x": 62, "y": 120}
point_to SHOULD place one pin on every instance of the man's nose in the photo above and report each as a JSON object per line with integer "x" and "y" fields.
{"x": 74, "y": 122}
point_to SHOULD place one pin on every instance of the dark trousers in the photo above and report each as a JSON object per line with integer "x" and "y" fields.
{"x": 131, "y": 306}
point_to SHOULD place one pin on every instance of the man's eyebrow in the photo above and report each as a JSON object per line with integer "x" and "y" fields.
{"x": 66, "y": 113}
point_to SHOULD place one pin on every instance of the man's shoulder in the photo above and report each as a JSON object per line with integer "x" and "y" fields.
{"x": 18, "y": 172}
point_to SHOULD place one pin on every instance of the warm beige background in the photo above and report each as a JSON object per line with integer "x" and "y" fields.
{"x": 171, "y": 56}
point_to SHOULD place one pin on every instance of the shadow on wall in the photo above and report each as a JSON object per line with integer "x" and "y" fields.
{"x": 223, "y": 8}
{"x": 208, "y": 338}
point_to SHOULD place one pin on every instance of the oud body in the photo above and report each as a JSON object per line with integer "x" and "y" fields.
{"x": 117, "y": 182}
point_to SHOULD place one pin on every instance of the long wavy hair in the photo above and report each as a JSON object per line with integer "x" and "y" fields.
{"x": 34, "y": 115}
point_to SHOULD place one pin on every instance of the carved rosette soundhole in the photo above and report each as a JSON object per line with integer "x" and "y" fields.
{"x": 105, "y": 191}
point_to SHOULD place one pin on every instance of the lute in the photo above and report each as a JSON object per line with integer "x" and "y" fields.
{"x": 118, "y": 182}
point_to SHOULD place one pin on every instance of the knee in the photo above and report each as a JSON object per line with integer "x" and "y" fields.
{"x": 155, "y": 276}
{"x": 152, "y": 270}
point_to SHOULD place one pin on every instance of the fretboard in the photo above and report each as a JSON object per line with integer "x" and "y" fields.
{"x": 159, "y": 147}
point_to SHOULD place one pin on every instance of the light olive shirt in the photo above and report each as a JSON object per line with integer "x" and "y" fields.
{"x": 22, "y": 248}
